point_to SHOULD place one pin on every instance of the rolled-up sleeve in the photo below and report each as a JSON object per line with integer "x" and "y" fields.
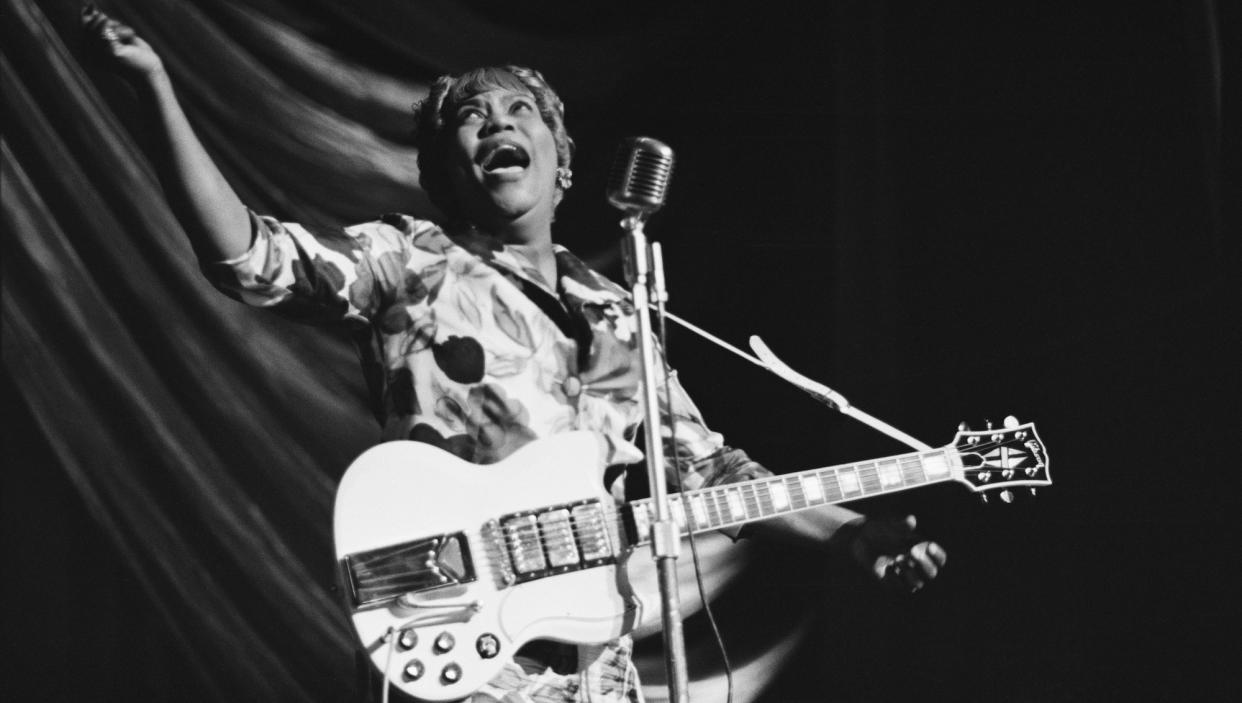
{"x": 704, "y": 458}
{"x": 314, "y": 275}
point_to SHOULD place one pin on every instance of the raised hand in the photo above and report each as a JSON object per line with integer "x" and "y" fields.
{"x": 128, "y": 53}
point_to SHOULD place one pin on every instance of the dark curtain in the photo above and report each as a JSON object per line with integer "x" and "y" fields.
{"x": 204, "y": 440}
{"x": 948, "y": 211}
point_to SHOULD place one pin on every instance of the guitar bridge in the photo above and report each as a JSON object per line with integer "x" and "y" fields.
{"x": 381, "y": 575}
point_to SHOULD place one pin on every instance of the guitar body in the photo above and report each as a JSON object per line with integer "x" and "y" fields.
{"x": 449, "y": 567}
{"x": 462, "y": 633}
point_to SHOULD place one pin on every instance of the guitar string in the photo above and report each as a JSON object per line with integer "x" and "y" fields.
{"x": 530, "y": 535}
{"x": 870, "y": 477}
{"x": 528, "y": 539}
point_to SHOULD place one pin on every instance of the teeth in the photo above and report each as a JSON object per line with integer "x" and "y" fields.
{"x": 505, "y": 156}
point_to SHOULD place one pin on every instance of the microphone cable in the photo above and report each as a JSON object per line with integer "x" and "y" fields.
{"x": 694, "y": 551}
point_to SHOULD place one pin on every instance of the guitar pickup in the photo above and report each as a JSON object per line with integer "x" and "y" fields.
{"x": 381, "y": 575}
{"x": 554, "y": 540}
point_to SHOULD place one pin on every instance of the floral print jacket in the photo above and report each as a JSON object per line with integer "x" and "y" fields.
{"x": 472, "y": 351}
{"x": 478, "y": 354}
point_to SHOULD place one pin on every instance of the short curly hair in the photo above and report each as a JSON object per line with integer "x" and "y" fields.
{"x": 433, "y": 121}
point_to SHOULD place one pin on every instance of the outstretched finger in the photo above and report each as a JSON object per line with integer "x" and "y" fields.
{"x": 923, "y": 560}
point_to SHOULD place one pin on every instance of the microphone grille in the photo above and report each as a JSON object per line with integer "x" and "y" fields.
{"x": 640, "y": 174}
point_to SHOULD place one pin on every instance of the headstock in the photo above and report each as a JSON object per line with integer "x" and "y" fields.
{"x": 1002, "y": 459}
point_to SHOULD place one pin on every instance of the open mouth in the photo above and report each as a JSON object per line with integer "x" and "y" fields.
{"x": 504, "y": 157}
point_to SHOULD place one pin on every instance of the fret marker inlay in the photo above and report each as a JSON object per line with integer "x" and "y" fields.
{"x": 889, "y": 476}
{"x": 935, "y": 465}
{"x": 678, "y": 510}
{"x": 810, "y": 486}
{"x": 780, "y": 497}
{"x": 735, "y": 504}
{"x": 699, "y": 509}
{"x": 849, "y": 482}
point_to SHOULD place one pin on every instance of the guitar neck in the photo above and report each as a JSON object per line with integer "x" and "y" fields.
{"x": 737, "y": 504}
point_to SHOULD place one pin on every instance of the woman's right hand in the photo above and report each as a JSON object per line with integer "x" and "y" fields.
{"x": 127, "y": 51}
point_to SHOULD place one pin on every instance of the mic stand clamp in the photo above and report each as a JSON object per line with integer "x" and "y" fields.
{"x": 665, "y": 535}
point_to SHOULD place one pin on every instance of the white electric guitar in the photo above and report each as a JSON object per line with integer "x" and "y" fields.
{"x": 449, "y": 567}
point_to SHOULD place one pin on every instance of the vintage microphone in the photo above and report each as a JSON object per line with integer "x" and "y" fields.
{"x": 637, "y": 185}
{"x": 640, "y": 174}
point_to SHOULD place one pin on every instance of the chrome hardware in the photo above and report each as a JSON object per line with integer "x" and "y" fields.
{"x": 553, "y": 540}
{"x": 1007, "y": 495}
{"x": 488, "y": 645}
{"x": 407, "y": 601}
{"x": 444, "y": 642}
{"x": 378, "y": 576}
{"x": 451, "y": 673}
{"x": 414, "y": 670}
{"x": 525, "y": 550}
{"x": 1011, "y": 422}
{"x": 963, "y": 427}
{"x": 1007, "y": 474}
{"x": 496, "y": 546}
{"x": 985, "y": 476}
{"x": 408, "y": 639}
{"x": 558, "y": 538}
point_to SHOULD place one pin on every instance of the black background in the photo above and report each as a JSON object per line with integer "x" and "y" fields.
{"x": 947, "y": 211}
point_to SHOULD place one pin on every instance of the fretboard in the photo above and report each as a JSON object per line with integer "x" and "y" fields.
{"x": 739, "y": 503}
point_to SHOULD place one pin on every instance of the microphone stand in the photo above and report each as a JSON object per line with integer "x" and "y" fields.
{"x": 665, "y": 536}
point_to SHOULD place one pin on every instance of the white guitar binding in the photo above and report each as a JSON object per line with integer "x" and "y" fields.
{"x": 450, "y": 567}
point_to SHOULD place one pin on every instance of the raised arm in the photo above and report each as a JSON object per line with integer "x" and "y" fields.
{"x": 211, "y": 213}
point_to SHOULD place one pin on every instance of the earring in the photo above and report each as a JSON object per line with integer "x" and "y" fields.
{"x": 564, "y": 177}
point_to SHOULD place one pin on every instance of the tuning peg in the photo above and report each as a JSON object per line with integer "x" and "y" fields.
{"x": 1007, "y": 495}
{"x": 963, "y": 427}
{"x": 983, "y": 497}
{"x": 1032, "y": 490}
{"x": 989, "y": 424}
{"x": 1011, "y": 422}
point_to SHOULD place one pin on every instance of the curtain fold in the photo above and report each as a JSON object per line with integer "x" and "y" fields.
{"x": 207, "y": 438}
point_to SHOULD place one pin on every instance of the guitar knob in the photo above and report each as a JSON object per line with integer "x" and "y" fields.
{"x": 408, "y": 639}
{"x": 414, "y": 670}
{"x": 963, "y": 427}
{"x": 487, "y": 645}
{"x": 451, "y": 673}
{"x": 444, "y": 642}
{"x": 1007, "y": 495}
{"x": 1011, "y": 422}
